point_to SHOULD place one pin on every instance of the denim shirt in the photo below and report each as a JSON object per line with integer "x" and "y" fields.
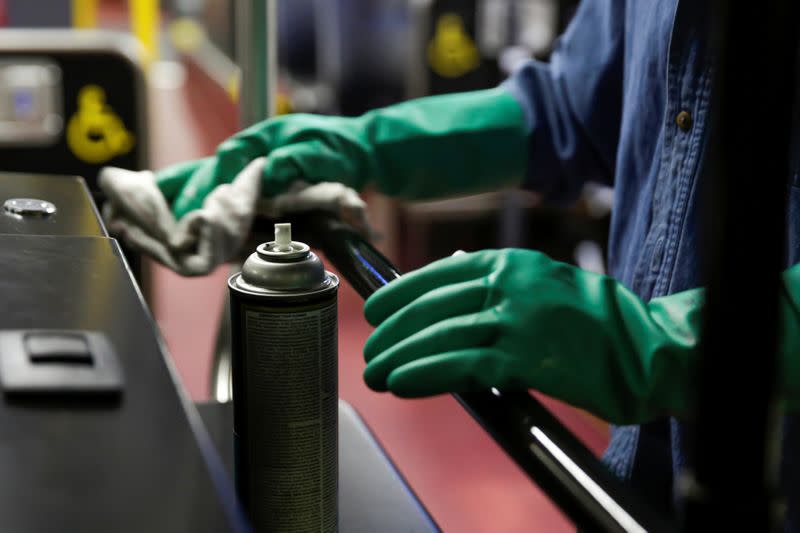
{"x": 624, "y": 101}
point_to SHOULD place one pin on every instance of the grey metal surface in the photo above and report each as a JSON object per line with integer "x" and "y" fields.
{"x": 373, "y": 497}
{"x": 84, "y": 465}
{"x": 75, "y": 213}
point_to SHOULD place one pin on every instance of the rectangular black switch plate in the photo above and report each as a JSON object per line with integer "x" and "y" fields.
{"x": 58, "y": 362}
{"x": 58, "y": 348}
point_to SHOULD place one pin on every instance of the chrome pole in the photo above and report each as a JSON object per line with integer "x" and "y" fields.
{"x": 256, "y": 54}
{"x": 256, "y": 32}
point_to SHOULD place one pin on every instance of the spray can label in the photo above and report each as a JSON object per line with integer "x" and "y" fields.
{"x": 291, "y": 378}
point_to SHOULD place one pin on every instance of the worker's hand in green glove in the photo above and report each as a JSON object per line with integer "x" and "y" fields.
{"x": 517, "y": 319}
{"x": 423, "y": 148}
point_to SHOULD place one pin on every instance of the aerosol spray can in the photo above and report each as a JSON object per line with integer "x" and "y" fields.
{"x": 285, "y": 397}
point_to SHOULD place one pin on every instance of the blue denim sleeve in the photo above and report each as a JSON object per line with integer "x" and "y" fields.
{"x": 573, "y": 105}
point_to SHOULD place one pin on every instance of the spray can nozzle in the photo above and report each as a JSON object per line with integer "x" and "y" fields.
{"x": 283, "y": 237}
{"x": 283, "y": 247}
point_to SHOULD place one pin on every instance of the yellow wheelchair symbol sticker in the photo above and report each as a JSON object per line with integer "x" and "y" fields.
{"x": 451, "y": 52}
{"x": 95, "y": 133}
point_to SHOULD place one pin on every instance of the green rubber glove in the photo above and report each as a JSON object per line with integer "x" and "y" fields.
{"x": 426, "y": 148}
{"x": 172, "y": 179}
{"x": 517, "y": 319}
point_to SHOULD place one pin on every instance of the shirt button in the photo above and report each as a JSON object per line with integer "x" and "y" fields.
{"x": 684, "y": 120}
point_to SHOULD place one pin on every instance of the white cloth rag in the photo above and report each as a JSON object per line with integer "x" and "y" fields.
{"x": 138, "y": 213}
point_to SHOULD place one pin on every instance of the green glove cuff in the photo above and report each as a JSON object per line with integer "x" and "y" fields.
{"x": 681, "y": 314}
{"x": 444, "y": 145}
{"x": 671, "y": 363}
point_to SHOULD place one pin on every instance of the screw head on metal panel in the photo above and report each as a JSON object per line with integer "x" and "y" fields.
{"x": 29, "y": 207}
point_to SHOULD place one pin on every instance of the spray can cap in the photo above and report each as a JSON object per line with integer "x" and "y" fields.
{"x": 284, "y": 265}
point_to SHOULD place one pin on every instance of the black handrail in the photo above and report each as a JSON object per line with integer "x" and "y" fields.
{"x": 754, "y": 46}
